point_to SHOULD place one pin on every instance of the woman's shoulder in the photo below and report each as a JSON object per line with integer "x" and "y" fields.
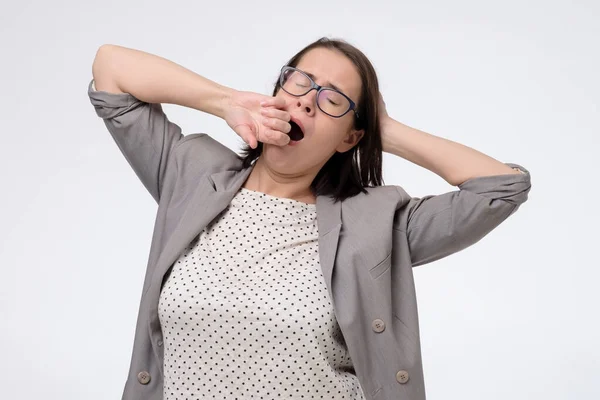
{"x": 379, "y": 196}
{"x": 203, "y": 148}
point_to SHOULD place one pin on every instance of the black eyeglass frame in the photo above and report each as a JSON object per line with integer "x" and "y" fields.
{"x": 319, "y": 88}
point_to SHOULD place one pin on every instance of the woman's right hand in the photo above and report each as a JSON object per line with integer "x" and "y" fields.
{"x": 244, "y": 114}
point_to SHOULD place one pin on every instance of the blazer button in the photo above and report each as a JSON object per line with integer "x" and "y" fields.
{"x": 402, "y": 376}
{"x": 143, "y": 377}
{"x": 160, "y": 342}
{"x": 378, "y": 325}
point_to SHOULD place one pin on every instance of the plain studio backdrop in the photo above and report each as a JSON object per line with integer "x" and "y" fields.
{"x": 513, "y": 317}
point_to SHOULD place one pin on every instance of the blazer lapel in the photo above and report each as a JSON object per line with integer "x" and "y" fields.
{"x": 329, "y": 222}
{"x": 211, "y": 197}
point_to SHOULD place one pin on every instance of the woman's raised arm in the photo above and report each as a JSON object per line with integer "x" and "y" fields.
{"x": 153, "y": 79}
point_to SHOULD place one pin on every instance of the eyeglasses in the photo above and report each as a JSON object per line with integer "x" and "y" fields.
{"x": 331, "y": 101}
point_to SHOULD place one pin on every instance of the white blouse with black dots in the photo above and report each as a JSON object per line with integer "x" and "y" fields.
{"x": 245, "y": 311}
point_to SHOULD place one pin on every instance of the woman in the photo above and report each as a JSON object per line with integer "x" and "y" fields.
{"x": 287, "y": 271}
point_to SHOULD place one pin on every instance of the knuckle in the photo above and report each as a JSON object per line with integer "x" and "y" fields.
{"x": 269, "y": 135}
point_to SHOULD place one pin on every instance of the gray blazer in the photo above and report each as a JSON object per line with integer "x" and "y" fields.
{"x": 368, "y": 244}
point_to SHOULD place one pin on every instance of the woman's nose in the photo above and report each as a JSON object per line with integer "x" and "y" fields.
{"x": 307, "y": 103}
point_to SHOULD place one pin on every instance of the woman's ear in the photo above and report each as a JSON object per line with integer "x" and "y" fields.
{"x": 355, "y": 136}
{"x": 351, "y": 140}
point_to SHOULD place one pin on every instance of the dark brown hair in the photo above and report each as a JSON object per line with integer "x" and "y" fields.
{"x": 345, "y": 174}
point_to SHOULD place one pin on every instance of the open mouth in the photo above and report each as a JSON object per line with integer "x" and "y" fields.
{"x": 295, "y": 133}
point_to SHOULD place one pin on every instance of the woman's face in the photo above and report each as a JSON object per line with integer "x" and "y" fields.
{"x": 323, "y": 134}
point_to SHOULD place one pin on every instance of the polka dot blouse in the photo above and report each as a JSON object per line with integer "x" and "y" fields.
{"x": 245, "y": 311}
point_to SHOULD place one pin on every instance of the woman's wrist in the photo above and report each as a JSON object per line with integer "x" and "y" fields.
{"x": 218, "y": 102}
{"x": 387, "y": 125}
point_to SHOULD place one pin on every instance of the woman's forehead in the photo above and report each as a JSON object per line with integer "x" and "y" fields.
{"x": 328, "y": 67}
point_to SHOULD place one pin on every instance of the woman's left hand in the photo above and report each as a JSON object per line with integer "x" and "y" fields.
{"x": 384, "y": 122}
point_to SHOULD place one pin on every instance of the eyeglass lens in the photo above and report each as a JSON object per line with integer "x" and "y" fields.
{"x": 330, "y": 101}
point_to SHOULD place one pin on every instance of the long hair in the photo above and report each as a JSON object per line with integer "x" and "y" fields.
{"x": 345, "y": 174}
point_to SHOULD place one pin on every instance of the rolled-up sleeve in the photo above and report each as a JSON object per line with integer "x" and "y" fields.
{"x": 142, "y": 132}
{"x": 439, "y": 225}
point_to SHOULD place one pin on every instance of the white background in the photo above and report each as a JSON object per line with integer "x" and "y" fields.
{"x": 512, "y": 317}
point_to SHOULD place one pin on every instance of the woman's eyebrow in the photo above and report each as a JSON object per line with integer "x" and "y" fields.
{"x": 328, "y": 84}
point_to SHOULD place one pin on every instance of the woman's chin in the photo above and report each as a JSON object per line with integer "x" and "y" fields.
{"x": 281, "y": 156}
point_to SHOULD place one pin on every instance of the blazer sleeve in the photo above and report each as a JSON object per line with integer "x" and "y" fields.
{"x": 439, "y": 225}
{"x": 142, "y": 132}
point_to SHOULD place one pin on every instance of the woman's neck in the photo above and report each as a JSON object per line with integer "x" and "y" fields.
{"x": 263, "y": 180}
